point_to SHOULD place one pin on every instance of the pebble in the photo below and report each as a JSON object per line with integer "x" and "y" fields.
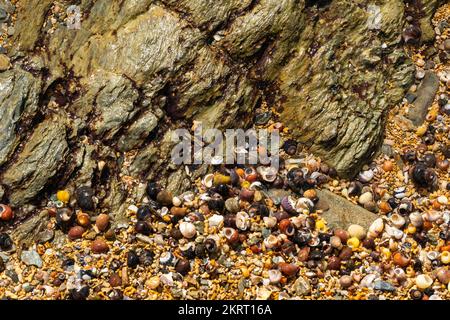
{"x": 383, "y": 286}
{"x": 99, "y": 246}
{"x": 31, "y": 258}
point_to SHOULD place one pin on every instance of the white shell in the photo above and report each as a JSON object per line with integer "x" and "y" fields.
{"x": 270, "y": 222}
{"x": 298, "y": 221}
{"x": 215, "y": 220}
{"x": 208, "y": 180}
{"x": 432, "y": 255}
{"x": 397, "y": 220}
{"x": 357, "y": 231}
{"x": 424, "y": 281}
{"x": 433, "y": 216}
{"x": 366, "y": 197}
{"x": 399, "y": 274}
{"x": 366, "y": 176}
{"x": 271, "y": 241}
{"x": 304, "y": 203}
{"x": 187, "y": 229}
{"x": 416, "y": 219}
{"x": 367, "y": 281}
{"x": 274, "y": 276}
{"x": 176, "y": 201}
{"x": 376, "y": 228}
{"x": 242, "y": 220}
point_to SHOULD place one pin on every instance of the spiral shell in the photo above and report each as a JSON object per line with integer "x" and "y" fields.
{"x": 424, "y": 281}
{"x": 304, "y": 204}
{"x": 242, "y": 220}
{"x": 397, "y": 220}
{"x": 268, "y": 174}
{"x": 416, "y": 219}
{"x": 271, "y": 242}
{"x": 288, "y": 204}
{"x": 376, "y": 228}
{"x": 270, "y": 222}
{"x": 188, "y": 230}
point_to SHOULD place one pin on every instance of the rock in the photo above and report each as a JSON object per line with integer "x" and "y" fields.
{"x": 343, "y": 213}
{"x": 33, "y": 230}
{"x": 329, "y": 113}
{"x": 19, "y": 99}
{"x": 383, "y": 286}
{"x": 425, "y": 97}
{"x": 4, "y": 62}
{"x": 38, "y": 162}
{"x": 302, "y": 286}
{"x": 3, "y": 15}
{"x": 31, "y": 258}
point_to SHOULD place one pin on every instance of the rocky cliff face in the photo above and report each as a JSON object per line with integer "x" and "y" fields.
{"x": 96, "y": 105}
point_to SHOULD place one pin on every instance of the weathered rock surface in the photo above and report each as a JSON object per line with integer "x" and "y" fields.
{"x": 19, "y": 92}
{"x": 42, "y": 156}
{"x": 342, "y": 213}
{"x": 113, "y": 91}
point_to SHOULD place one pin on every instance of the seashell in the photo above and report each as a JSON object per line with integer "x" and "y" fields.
{"x": 99, "y": 246}
{"x": 334, "y": 263}
{"x": 443, "y": 275}
{"x": 232, "y": 205}
{"x": 355, "y": 188}
{"x": 405, "y": 207}
{"x": 442, "y": 200}
{"x": 304, "y": 204}
{"x": 166, "y": 258}
{"x": 76, "y": 232}
{"x": 353, "y": 242}
{"x": 400, "y": 260}
{"x": 6, "y": 213}
{"x": 423, "y": 281}
{"x": 178, "y": 211}
{"x": 142, "y": 227}
{"x": 298, "y": 221}
{"x": 271, "y": 242}
{"x": 270, "y": 222}
{"x": 246, "y": 194}
{"x": 208, "y": 180}
{"x": 83, "y": 219}
{"x": 176, "y": 201}
{"x": 288, "y": 269}
{"x": 242, "y": 220}
{"x": 310, "y": 194}
{"x": 64, "y": 218}
{"x": 366, "y": 176}
{"x": 314, "y": 242}
{"x": 102, "y": 222}
{"x": 268, "y": 174}
{"x": 367, "y": 281}
{"x": 433, "y": 216}
{"x": 432, "y": 255}
{"x": 286, "y": 227}
{"x": 394, "y": 232}
{"x": 365, "y": 198}
{"x": 164, "y": 197}
{"x": 356, "y": 231}
{"x": 256, "y": 186}
{"x": 85, "y": 198}
{"x": 399, "y": 274}
{"x": 288, "y": 204}
{"x": 342, "y": 234}
{"x": 336, "y": 242}
{"x": 384, "y": 207}
{"x": 397, "y": 220}
{"x": 187, "y": 229}
{"x": 215, "y": 220}
{"x": 416, "y": 219}
{"x": 445, "y": 257}
{"x": 376, "y": 228}
{"x": 231, "y": 235}
{"x": 274, "y": 276}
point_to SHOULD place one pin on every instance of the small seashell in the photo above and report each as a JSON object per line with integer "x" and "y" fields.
{"x": 99, "y": 246}
{"x": 274, "y": 276}
{"x": 246, "y": 194}
{"x": 445, "y": 257}
{"x": 153, "y": 283}
{"x": 356, "y": 231}
{"x": 231, "y": 235}
{"x": 365, "y": 176}
{"x": 416, "y": 219}
{"x": 166, "y": 258}
{"x": 268, "y": 174}
{"x": 376, "y": 228}
{"x": 270, "y": 222}
{"x": 367, "y": 281}
{"x": 242, "y": 220}
{"x": 345, "y": 281}
{"x": 310, "y": 194}
{"x": 215, "y": 220}
{"x": 286, "y": 227}
{"x": 288, "y": 204}
{"x": 397, "y": 220}
{"x": 355, "y": 188}
{"x": 187, "y": 229}
{"x": 442, "y": 200}
{"x": 288, "y": 269}
{"x": 232, "y": 205}
{"x": 298, "y": 221}
{"x": 400, "y": 260}
{"x": 365, "y": 198}
{"x": 304, "y": 204}
{"x": 176, "y": 201}
{"x": 399, "y": 274}
{"x": 208, "y": 180}
{"x": 443, "y": 275}
{"x": 423, "y": 281}
{"x": 433, "y": 216}
{"x": 335, "y": 242}
{"x": 83, "y": 219}
{"x": 76, "y": 232}
{"x": 102, "y": 222}
{"x": 432, "y": 255}
{"x": 271, "y": 242}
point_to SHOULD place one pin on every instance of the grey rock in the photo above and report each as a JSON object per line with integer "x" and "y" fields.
{"x": 138, "y": 131}
{"x": 18, "y": 98}
{"x": 425, "y": 96}
{"x": 37, "y": 163}
{"x": 342, "y": 213}
{"x": 31, "y": 258}
{"x": 383, "y": 286}
{"x": 32, "y": 231}
{"x": 3, "y": 15}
